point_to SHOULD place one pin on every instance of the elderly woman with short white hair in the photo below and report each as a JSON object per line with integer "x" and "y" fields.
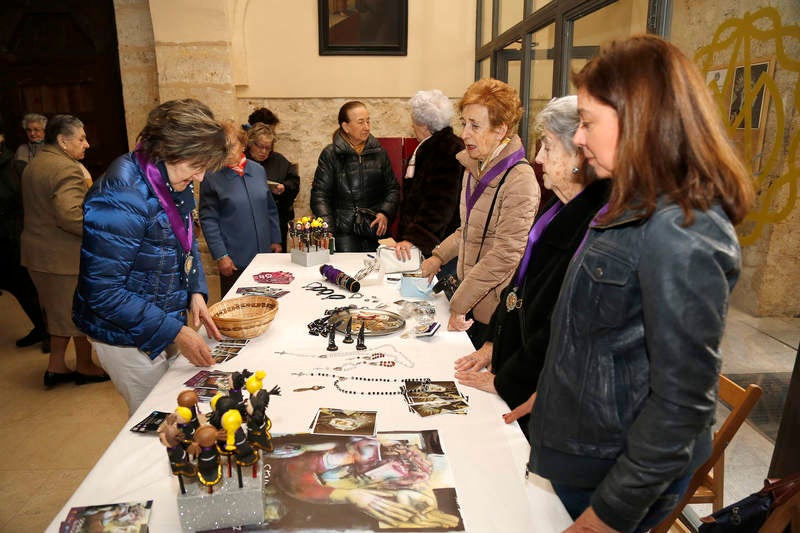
{"x": 432, "y": 184}
{"x": 34, "y": 125}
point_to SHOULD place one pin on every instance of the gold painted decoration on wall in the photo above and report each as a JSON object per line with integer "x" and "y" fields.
{"x": 744, "y": 87}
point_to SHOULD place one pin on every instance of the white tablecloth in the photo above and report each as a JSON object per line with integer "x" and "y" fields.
{"x": 487, "y": 456}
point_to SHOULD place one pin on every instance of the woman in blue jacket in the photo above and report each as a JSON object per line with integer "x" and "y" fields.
{"x": 237, "y": 211}
{"x": 140, "y": 269}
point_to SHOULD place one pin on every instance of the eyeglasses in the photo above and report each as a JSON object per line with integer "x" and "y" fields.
{"x": 34, "y": 130}
{"x": 260, "y": 146}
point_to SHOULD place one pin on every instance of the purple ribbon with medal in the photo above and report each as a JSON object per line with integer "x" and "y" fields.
{"x": 512, "y": 301}
{"x": 183, "y": 232}
{"x": 501, "y": 166}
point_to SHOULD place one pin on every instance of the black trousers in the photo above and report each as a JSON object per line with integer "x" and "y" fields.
{"x": 15, "y": 279}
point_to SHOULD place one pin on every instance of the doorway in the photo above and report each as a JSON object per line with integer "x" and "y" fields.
{"x": 62, "y": 57}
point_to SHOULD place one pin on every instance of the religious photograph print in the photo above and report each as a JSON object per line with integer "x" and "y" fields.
{"x": 742, "y": 94}
{"x": 395, "y": 481}
{"x": 428, "y": 398}
{"x": 330, "y": 421}
{"x": 363, "y": 27}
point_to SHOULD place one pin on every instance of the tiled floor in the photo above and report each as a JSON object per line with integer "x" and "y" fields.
{"x": 52, "y": 438}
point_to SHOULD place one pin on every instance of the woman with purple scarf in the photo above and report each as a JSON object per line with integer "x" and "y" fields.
{"x": 498, "y": 202}
{"x": 141, "y": 277}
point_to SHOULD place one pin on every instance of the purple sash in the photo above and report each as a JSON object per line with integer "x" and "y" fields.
{"x": 183, "y": 232}
{"x": 501, "y": 166}
{"x": 536, "y": 232}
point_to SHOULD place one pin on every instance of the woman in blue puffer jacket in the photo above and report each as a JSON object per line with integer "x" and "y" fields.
{"x": 140, "y": 269}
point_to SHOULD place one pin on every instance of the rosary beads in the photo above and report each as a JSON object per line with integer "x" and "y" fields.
{"x": 338, "y": 379}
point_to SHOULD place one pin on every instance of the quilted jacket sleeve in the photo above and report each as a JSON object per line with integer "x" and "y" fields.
{"x": 115, "y": 225}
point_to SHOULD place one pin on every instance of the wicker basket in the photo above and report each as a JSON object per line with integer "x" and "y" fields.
{"x": 244, "y": 318}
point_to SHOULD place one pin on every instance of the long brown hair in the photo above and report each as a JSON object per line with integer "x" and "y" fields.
{"x": 671, "y": 138}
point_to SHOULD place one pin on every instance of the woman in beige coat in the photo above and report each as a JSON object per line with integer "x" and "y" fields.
{"x": 499, "y": 198}
{"x": 53, "y": 188}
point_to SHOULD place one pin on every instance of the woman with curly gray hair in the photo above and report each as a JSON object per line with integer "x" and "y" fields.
{"x": 432, "y": 184}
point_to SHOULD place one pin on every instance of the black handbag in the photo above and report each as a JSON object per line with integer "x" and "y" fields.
{"x": 749, "y": 514}
{"x": 362, "y": 218}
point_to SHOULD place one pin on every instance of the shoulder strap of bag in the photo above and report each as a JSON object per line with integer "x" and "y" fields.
{"x": 491, "y": 207}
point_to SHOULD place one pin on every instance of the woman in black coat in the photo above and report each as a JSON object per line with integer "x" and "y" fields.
{"x": 520, "y": 327}
{"x": 432, "y": 184}
{"x": 354, "y": 174}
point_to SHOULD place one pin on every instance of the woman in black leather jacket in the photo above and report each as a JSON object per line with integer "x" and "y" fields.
{"x": 626, "y": 399}
{"x": 354, "y": 172}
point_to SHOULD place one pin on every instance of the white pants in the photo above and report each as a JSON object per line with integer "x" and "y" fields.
{"x": 132, "y": 372}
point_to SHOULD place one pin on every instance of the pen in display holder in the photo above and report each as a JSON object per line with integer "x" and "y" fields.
{"x": 244, "y": 318}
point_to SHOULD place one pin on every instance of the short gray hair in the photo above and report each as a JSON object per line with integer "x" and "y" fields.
{"x": 33, "y": 117}
{"x": 432, "y": 109}
{"x": 65, "y": 125}
{"x": 560, "y": 116}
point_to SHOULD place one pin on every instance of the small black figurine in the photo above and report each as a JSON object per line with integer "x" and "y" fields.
{"x": 348, "y": 332}
{"x": 360, "y": 344}
{"x": 238, "y": 380}
{"x": 204, "y": 447}
{"x": 332, "y": 340}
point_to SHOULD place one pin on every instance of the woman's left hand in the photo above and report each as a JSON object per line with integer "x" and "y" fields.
{"x": 380, "y": 224}
{"x": 278, "y": 189}
{"x": 200, "y": 314}
{"x": 477, "y": 380}
{"x": 459, "y": 322}
{"x": 402, "y": 250}
{"x": 589, "y": 522}
{"x": 276, "y": 248}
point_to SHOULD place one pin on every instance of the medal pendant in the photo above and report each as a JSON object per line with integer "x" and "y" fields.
{"x": 511, "y": 300}
{"x": 187, "y": 265}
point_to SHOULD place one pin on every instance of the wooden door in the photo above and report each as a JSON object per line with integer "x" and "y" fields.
{"x": 62, "y": 57}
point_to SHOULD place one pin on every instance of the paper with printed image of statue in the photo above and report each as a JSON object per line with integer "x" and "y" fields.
{"x": 395, "y": 481}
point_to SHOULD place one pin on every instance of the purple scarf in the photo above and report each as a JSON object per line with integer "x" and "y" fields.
{"x": 183, "y": 232}
{"x": 536, "y": 232}
{"x": 501, "y": 166}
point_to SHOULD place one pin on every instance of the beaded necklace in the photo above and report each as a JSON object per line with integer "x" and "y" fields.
{"x": 383, "y": 349}
{"x": 338, "y": 379}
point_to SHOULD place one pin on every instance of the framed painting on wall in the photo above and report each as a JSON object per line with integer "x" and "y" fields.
{"x": 744, "y": 102}
{"x": 363, "y": 27}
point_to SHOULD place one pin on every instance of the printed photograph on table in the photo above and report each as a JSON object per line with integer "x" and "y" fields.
{"x": 396, "y": 481}
{"x": 375, "y": 322}
{"x": 272, "y": 292}
{"x": 150, "y": 423}
{"x": 329, "y": 421}
{"x": 435, "y": 397}
{"x": 116, "y": 517}
{"x": 228, "y": 349}
{"x": 211, "y": 380}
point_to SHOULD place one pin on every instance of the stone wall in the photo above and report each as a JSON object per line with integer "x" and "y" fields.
{"x": 137, "y": 63}
{"x": 307, "y": 125}
{"x": 770, "y": 281}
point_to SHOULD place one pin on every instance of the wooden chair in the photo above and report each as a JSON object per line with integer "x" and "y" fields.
{"x": 706, "y": 485}
{"x": 782, "y": 516}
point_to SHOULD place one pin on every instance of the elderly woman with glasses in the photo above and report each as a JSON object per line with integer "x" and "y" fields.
{"x": 282, "y": 176}
{"x": 34, "y": 125}
{"x": 498, "y": 202}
